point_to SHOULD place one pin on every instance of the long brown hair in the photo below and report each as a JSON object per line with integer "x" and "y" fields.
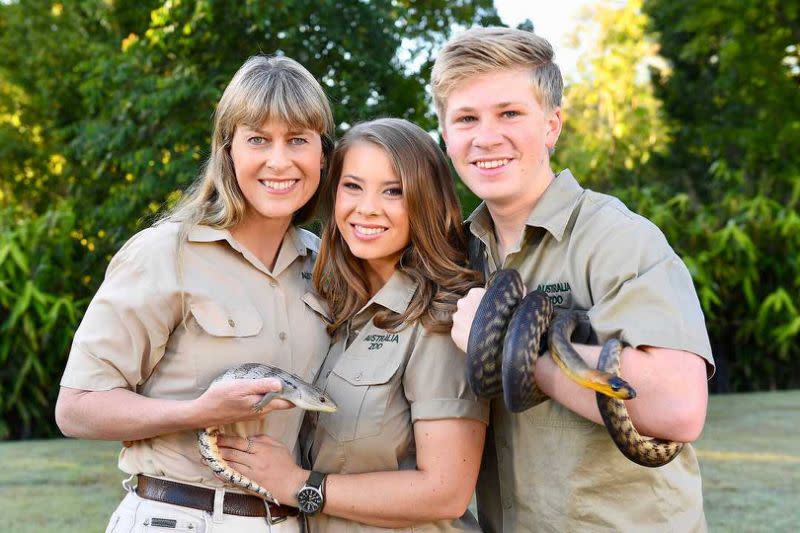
{"x": 435, "y": 258}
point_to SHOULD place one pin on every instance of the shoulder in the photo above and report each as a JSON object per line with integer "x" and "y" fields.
{"x": 152, "y": 248}
{"x": 604, "y": 220}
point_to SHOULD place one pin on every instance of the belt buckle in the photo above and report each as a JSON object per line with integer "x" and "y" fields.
{"x": 272, "y": 521}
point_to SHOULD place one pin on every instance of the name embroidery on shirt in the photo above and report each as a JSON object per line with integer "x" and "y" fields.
{"x": 376, "y": 342}
{"x": 553, "y": 290}
{"x": 306, "y": 275}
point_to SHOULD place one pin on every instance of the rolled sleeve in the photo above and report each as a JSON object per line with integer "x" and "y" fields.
{"x": 650, "y": 300}
{"x": 123, "y": 334}
{"x": 435, "y": 382}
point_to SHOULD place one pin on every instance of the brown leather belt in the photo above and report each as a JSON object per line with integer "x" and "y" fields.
{"x": 162, "y": 490}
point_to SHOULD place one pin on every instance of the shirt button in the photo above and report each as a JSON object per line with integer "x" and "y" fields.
{"x": 231, "y": 323}
{"x": 358, "y": 376}
{"x": 273, "y": 283}
{"x": 506, "y": 503}
{"x": 282, "y": 335}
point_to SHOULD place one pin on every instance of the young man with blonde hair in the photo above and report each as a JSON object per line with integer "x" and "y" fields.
{"x": 554, "y": 467}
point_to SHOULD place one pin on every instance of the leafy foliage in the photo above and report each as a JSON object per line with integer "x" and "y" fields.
{"x": 733, "y": 94}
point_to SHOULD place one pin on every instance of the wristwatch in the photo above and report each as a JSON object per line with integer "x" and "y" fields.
{"x": 311, "y": 497}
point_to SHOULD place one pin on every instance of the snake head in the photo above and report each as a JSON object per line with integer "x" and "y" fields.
{"x": 620, "y": 389}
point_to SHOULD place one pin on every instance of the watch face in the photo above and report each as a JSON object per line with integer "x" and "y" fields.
{"x": 309, "y": 500}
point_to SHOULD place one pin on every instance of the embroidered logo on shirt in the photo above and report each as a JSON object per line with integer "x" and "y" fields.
{"x": 376, "y": 342}
{"x": 306, "y": 275}
{"x": 553, "y": 290}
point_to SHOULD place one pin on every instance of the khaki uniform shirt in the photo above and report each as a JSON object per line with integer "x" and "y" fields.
{"x": 548, "y": 469}
{"x": 237, "y": 311}
{"x": 382, "y": 383}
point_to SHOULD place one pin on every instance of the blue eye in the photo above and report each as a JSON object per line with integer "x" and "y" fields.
{"x": 466, "y": 118}
{"x": 256, "y": 140}
{"x": 298, "y": 141}
{"x": 511, "y": 114}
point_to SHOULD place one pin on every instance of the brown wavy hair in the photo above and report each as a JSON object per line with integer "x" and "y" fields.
{"x": 436, "y": 256}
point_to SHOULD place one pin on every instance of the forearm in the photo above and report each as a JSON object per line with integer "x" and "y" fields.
{"x": 394, "y": 499}
{"x": 671, "y": 390}
{"x": 120, "y": 414}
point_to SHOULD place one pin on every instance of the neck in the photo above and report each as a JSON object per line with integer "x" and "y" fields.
{"x": 509, "y": 217}
{"x": 378, "y": 273}
{"x": 262, "y": 236}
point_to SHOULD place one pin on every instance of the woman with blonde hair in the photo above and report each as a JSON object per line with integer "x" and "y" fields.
{"x": 403, "y": 450}
{"x": 217, "y": 282}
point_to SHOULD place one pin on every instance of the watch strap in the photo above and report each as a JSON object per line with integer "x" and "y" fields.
{"x": 317, "y": 480}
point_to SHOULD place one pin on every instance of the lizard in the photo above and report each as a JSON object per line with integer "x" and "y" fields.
{"x": 295, "y": 390}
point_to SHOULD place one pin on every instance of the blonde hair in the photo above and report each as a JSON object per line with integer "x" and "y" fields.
{"x": 485, "y": 50}
{"x": 435, "y": 258}
{"x": 263, "y": 89}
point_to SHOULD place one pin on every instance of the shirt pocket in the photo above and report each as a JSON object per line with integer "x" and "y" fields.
{"x": 361, "y": 388}
{"x": 220, "y": 320}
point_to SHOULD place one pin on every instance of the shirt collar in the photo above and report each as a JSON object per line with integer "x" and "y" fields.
{"x": 295, "y": 244}
{"x": 396, "y": 293}
{"x": 551, "y": 212}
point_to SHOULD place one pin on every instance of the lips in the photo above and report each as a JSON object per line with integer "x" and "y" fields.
{"x": 368, "y": 231}
{"x": 278, "y": 185}
{"x": 488, "y": 164}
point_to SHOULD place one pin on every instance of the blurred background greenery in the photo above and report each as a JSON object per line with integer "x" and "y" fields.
{"x": 687, "y": 110}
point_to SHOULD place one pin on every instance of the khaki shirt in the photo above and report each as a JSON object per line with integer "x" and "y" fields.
{"x": 548, "y": 469}
{"x": 382, "y": 383}
{"x": 237, "y": 311}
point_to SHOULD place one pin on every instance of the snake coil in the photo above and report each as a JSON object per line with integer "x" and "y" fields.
{"x": 520, "y": 322}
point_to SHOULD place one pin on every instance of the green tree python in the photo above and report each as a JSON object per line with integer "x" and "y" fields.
{"x": 504, "y": 344}
{"x": 295, "y": 390}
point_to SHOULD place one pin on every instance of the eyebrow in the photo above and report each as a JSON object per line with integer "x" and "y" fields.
{"x": 294, "y": 131}
{"x": 361, "y": 180}
{"x": 501, "y": 105}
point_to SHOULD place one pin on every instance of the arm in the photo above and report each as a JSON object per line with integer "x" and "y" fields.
{"x": 448, "y": 458}
{"x": 672, "y": 394}
{"x": 121, "y": 414}
{"x": 671, "y": 390}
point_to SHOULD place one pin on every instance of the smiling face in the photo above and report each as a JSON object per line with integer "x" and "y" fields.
{"x": 277, "y": 168}
{"x": 498, "y": 137}
{"x": 370, "y": 209}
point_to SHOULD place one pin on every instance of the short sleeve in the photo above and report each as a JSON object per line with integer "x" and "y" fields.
{"x": 643, "y": 293}
{"x": 125, "y": 329}
{"x": 435, "y": 382}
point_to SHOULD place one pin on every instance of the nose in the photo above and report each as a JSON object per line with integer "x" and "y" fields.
{"x": 487, "y": 135}
{"x": 278, "y": 158}
{"x": 368, "y": 204}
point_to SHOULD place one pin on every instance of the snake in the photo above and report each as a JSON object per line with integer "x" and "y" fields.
{"x": 294, "y": 389}
{"x": 507, "y": 337}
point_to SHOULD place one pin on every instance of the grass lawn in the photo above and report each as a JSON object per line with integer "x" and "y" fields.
{"x": 749, "y": 455}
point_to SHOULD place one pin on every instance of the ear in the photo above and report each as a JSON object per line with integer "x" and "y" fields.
{"x": 553, "y": 123}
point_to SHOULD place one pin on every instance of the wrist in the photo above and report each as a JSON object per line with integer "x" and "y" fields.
{"x": 311, "y": 497}
{"x": 297, "y": 482}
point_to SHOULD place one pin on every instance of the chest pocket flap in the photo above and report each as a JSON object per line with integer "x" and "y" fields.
{"x": 220, "y": 320}
{"x": 374, "y": 369}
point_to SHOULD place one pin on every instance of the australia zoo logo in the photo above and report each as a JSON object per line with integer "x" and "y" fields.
{"x": 557, "y": 292}
{"x": 376, "y": 342}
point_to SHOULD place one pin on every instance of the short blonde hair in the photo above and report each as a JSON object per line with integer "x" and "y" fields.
{"x": 484, "y": 50}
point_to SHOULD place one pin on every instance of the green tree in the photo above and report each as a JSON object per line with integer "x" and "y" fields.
{"x": 732, "y": 91}
{"x": 613, "y": 121}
